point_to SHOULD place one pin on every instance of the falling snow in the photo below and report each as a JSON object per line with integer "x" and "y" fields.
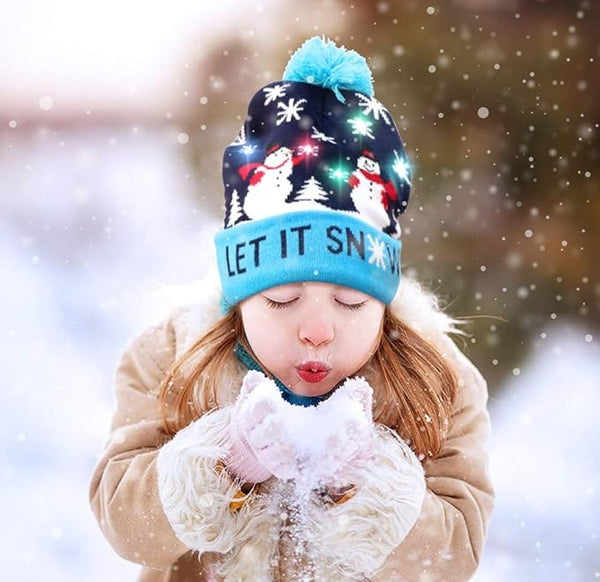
{"x": 109, "y": 186}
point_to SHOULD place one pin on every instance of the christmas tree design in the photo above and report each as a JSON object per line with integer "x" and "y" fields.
{"x": 235, "y": 209}
{"x": 311, "y": 191}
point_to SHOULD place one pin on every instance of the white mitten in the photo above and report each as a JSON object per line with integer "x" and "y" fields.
{"x": 260, "y": 444}
{"x": 346, "y": 421}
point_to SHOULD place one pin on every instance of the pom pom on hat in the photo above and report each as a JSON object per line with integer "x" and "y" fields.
{"x": 320, "y": 62}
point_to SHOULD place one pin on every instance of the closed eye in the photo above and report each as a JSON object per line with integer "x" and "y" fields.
{"x": 280, "y": 304}
{"x": 352, "y": 306}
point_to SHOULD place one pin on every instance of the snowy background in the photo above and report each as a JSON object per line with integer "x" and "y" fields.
{"x": 110, "y": 190}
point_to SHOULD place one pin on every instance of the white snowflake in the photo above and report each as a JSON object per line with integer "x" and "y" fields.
{"x": 361, "y": 126}
{"x": 290, "y": 111}
{"x": 240, "y": 138}
{"x": 401, "y": 168}
{"x": 309, "y": 149}
{"x": 319, "y": 135}
{"x": 376, "y": 248}
{"x": 338, "y": 174}
{"x": 373, "y": 107}
{"x": 248, "y": 149}
{"x": 275, "y": 92}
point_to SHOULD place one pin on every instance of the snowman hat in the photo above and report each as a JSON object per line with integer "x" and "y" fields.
{"x": 297, "y": 205}
{"x": 369, "y": 154}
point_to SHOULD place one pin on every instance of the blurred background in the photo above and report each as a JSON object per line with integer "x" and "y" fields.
{"x": 113, "y": 118}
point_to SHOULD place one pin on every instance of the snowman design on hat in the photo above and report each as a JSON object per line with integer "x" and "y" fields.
{"x": 269, "y": 185}
{"x": 370, "y": 194}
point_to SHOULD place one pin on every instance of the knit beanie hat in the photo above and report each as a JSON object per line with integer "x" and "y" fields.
{"x": 314, "y": 182}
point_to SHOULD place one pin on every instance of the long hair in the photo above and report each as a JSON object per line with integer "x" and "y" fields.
{"x": 414, "y": 387}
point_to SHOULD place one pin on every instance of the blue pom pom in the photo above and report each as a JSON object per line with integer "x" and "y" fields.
{"x": 320, "y": 62}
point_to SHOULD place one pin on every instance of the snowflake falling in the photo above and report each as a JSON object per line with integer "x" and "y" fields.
{"x": 320, "y": 136}
{"x": 275, "y": 92}
{"x": 373, "y": 107}
{"x": 376, "y": 248}
{"x": 401, "y": 168}
{"x": 290, "y": 111}
{"x": 361, "y": 126}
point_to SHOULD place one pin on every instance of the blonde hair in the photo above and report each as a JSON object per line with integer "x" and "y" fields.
{"x": 414, "y": 387}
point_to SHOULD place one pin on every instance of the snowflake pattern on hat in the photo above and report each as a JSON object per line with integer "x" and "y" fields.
{"x": 300, "y": 147}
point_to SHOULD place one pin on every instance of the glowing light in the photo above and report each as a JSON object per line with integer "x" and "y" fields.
{"x": 309, "y": 149}
{"x": 401, "y": 168}
{"x": 248, "y": 149}
{"x": 338, "y": 173}
{"x": 361, "y": 126}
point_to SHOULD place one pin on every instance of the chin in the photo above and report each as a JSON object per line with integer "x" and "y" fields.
{"x": 306, "y": 389}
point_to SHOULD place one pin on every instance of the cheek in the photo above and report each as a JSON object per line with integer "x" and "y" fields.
{"x": 265, "y": 334}
{"x": 361, "y": 338}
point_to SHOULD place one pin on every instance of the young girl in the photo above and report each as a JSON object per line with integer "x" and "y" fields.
{"x": 307, "y": 418}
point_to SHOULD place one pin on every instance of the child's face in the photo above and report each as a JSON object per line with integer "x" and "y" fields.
{"x": 312, "y": 335}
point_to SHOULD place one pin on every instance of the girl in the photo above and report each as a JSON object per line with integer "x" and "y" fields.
{"x": 325, "y": 427}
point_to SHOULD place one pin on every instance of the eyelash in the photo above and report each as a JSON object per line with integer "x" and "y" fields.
{"x": 285, "y": 304}
{"x": 351, "y": 306}
{"x": 280, "y": 304}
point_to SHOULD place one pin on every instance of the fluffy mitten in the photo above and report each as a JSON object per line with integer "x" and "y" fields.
{"x": 260, "y": 445}
{"x": 348, "y": 430}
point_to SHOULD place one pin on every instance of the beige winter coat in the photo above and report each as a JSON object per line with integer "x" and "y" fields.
{"x": 445, "y": 543}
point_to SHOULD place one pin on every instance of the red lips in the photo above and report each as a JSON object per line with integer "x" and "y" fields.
{"x": 313, "y": 372}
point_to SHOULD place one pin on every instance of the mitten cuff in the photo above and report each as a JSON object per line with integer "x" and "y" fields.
{"x": 195, "y": 492}
{"x": 356, "y": 537}
{"x": 243, "y": 463}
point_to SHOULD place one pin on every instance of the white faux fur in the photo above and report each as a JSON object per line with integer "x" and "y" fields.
{"x": 355, "y": 538}
{"x": 350, "y": 540}
{"x": 196, "y": 498}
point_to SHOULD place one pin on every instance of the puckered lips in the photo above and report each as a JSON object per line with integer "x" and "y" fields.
{"x": 313, "y": 372}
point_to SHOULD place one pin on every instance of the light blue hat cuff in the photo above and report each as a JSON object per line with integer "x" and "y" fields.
{"x": 327, "y": 246}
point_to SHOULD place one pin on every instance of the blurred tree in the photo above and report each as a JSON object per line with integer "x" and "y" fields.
{"x": 498, "y": 111}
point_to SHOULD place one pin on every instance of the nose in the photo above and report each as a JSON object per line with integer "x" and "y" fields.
{"x": 316, "y": 332}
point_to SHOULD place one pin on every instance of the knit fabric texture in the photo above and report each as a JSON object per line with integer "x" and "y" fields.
{"x": 315, "y": 182}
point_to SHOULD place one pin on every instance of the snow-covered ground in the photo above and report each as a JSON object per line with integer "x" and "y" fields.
{"x": 89, "y": 226}
{"x": 546, "y": 465}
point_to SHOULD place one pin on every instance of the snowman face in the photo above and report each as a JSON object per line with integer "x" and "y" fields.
{"x": 278, "y": 157}
{"x": 368, "y": 165}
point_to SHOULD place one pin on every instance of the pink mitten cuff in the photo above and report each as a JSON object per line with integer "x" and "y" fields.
{"x": 242, "y": 463}
{"x": 259, "y": 448}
